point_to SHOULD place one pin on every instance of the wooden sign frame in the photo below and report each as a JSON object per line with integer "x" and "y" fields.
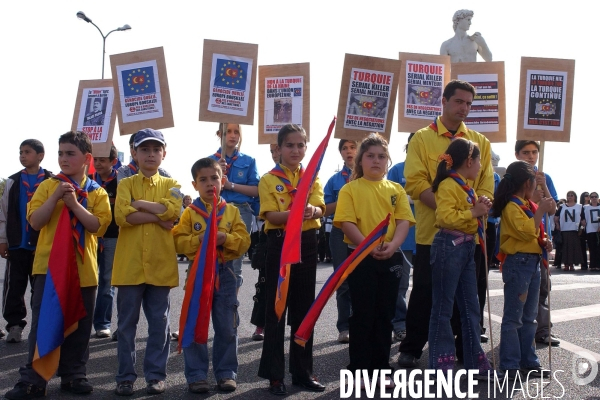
{"x": 230, "y": 49}
{"x": 154, "y": 55}
{"x": 282, "y": 71}
{"x": 383, "y": 65}
{"x": 412, "y": 124}
{"x": 484, "y": 86}
{"x": 99, "y": 149}
{"x": 548, "y": 67}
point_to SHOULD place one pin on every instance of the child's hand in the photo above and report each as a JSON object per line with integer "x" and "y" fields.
{"x": 309, "y": 212}
{"x": 383, "y": 252}
{"x": 546, "y": 205}
{"x": 221, "y": 236}
{"x": 4, "y": 250}
{"x": 479, "y": 209}
{"x": 223, "y": 165}
{"x": 548, "y": 245}
{"x": 70, "y": 199}
{"x": 168, "y": 225}
{"x": 485, "y": 200}
{"x": 61, "y": 189}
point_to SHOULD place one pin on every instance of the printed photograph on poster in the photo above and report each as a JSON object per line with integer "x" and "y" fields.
{"x": 424, "y": 88}
{"x": 95, "y": 112}
{"x": 369, "y": 95}
{"x": 139, "y": 91}
{"x": 544, "y": 101}
{"x": 484, "y": 114}
{"x": 283, "y": 102}
{"x": 230, "y": 84}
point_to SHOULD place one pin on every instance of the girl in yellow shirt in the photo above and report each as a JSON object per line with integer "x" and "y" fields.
{"x": 458, "y": 215}
{"x": 521, "y": 245}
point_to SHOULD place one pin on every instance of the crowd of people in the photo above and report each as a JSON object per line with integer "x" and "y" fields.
{"x": 131, "y": 224}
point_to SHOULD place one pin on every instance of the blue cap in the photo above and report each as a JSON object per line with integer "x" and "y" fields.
{"x": 148, "y": 134}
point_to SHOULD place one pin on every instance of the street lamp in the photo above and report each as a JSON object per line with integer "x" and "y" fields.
{"x": 126, "y": 27}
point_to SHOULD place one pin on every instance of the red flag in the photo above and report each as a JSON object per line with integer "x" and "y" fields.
{"x": 375, "y": 238}
{"x": 290, "y": 253}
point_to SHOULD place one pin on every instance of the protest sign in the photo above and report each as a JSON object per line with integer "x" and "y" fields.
{"x": 95, "y": 114}
{"x": 545, "y": 99}
{"x": 422, "y": 81}
{"x": 283, "y": 98}
{"x": 488, "y": 111}
{"x": 367, "y": 97}
{"x": 228, "y": 82}
{"x": 142, "y": 89}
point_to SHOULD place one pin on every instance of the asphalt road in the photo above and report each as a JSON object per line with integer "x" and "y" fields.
{"x": 575, "y": 304}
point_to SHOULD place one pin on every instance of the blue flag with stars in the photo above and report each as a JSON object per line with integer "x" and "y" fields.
{"x": 231, "y": 74}
{"x": 138, "y": 81}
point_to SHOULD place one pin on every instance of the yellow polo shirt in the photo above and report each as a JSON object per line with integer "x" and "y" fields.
{"x": 421, "y": 167}
{"x": 146, "y": 253}
{"x": 97, "y": 204}
{"x": 454, "y": 207}
{"x": 274, "y": 197}
{"x": 518, "y": 233}
{"x": 191, "y": 225}
{"x": 366, "y": 203}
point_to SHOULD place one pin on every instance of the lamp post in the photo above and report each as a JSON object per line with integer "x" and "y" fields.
{"x": 126, "y": 27}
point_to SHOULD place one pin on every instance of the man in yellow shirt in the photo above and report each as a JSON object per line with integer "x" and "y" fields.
{"x": 145, "y": 267}
{"x": 420, "y": 170}
{"x": 92, "y": 212}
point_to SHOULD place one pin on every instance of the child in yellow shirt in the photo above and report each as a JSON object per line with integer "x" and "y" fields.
{"x": 88, "y": 205}
{"x": 145, "y": 267}
{"x": 232, "y": 240}
{"x": 522, "y": 240}
{"x": 458, "y": 215}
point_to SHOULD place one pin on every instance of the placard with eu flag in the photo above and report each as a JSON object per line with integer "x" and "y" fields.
{"x": 139, "y": 98}
{"x": 230, "y": 84}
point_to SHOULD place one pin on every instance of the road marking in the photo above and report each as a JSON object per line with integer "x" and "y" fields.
{"x": 569, "y": 286}
{"x": 573, "y": 348}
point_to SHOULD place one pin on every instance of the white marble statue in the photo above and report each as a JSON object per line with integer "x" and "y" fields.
{"x": 462, "y": 47}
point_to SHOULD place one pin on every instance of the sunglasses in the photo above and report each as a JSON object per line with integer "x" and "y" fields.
{"x": 593, "y": 197}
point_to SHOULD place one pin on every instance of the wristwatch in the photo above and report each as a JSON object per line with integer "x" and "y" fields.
{"x": 314, "y": 212}
{"x": 232, "y": 186}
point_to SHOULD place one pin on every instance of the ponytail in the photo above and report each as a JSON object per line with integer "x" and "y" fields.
{"x": 459, "y": 151}
{"x": 517, "y": 174}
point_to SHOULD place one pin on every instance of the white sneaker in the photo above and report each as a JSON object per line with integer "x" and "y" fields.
{"x": 15, "y": 334}
{"x": 103, "y": 333}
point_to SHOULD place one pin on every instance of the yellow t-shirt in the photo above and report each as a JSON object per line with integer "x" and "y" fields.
{"x": 366, "y": 203}
{"x": 146, "y": 253}
{"x": 191, "y": 225}
{"x": 518, "y": 233}
{"x": 421, "y": 167}
{"x": 274, "y": 197}
{"x": 97, "y": 204}
{"x": 454, "y": 207}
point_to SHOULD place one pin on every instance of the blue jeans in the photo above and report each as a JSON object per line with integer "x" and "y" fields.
{"x": 453, "y": 279}
{"x": 399, "y": 321}
{"x": 521, "y": 277}
{"x": 156, "y": 304}
{"x": 106, "y": 293}
{"x": 339, "y": 252}
{"x": 225, "y": 320}
{"x": 246, "y": 214}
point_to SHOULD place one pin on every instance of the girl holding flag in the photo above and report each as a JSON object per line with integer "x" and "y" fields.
{"x": 522, "y": 246}
{"x": 362, "y": 204}
{"x": 277, "y": 190}
{"x": 459, "y": 215}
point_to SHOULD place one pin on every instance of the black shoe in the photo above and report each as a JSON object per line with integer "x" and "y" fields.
{"x": 277, "y": 388}
{"x": 124, "y": 388}
{"x": 406, "y": 360}
{"x": 484, "y": 338}
{"x": 311, "y": 384}
{"x": 535, "y": 372}
{"x": 77, "y": 386}
{"x": 2, "y": 333}
{"x": 115, "y": 335}
{"x": 24, "y": 390}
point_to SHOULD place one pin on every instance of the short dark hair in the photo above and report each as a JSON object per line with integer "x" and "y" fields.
{"x": 343, "y": 141}
{"x": 286, "y": 130}
{"x": 79, "y": 139}
{"x": 113, "y": 153}
{"x": 35, "y": 144}
{"x": 206, "y": 163}
{"x": 454, "y": 84}
{"x": 131, "y": 139}
{"x": 522, "y": 143}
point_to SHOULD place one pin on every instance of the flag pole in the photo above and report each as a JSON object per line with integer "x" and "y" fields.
{"x": 547, "y": 227}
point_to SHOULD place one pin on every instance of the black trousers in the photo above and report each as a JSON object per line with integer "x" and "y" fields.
{"x": 373, "y": 293}
{"x": 18, "y": 272}
{"x": 301, "y": 294}
{"x": 74, "y": 352}
{"x": 258, "y": 309}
